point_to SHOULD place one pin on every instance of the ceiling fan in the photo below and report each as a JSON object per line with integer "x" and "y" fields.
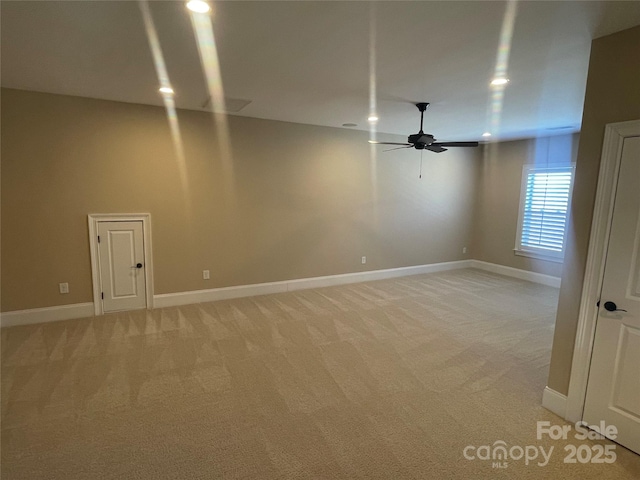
{"x": 426, "y": 141}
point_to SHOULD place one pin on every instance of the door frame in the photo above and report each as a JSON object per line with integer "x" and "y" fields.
{"x": 614, "y": 136}
{"x": 94, "y": 219}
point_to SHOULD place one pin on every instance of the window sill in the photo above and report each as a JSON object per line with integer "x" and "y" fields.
{"x": 538, "y": 256}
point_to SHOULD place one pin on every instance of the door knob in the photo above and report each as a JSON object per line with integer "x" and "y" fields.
{"x": 138, "y": 265}
{"x": 612, "y": 307}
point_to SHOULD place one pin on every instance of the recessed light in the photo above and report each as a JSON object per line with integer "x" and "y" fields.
{"x": 372, "y": 119}
{"x": 349, "y": 124}
{"x": 167, "y": 90}
{"x": 486, "y": 134}
{"x": 198, "y": 6}
{"x": 499, "y": 81}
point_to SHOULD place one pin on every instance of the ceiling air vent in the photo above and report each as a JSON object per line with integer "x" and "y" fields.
{"x": 232, "y": 105}
{"x": 565, "y": 127}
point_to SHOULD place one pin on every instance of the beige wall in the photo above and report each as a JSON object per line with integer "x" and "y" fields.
{"x": 613, "y": 95}
{"x": 498, "y": 198}
{"x": 303, "y": 203}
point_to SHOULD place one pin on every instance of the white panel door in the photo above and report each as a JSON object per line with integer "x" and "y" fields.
{"x": 121, "y": 252}
{"x": 613, "y": 392}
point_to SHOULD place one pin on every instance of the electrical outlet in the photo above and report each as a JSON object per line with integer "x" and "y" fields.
{"x": 364, "y": 260}
{"x": 464, "y": 249}
{"x": 64, "y": 287}
{"x": 206, "y": 275}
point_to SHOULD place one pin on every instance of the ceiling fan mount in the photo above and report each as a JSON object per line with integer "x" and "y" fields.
{"x": 426, "y": 141}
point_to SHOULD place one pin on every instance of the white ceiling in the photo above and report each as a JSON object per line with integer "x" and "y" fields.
{"x": 309, "y": 62}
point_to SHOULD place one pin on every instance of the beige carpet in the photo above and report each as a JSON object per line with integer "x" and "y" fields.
{"x": 388, "y": 379}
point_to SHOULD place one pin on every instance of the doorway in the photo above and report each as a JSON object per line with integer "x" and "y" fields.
{"x": 613, "y": 391}
{"x": 122, "y": 270}
{"x": 605, "y": 375}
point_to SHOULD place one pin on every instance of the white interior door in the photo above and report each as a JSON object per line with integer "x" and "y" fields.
{"x": 122, "y": 276}
{"x": 613, "y": 392}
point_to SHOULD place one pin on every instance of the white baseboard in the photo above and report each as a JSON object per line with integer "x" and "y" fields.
{"x": 331, "y": 280}
{"x": 80, "y": 310}
{"x": 517, "y": 273}
{"x": 47, "y": 314}
{"x": 554, "y": 402}
{"x": 214, "y": 294}
{"x": 223, "y": 293}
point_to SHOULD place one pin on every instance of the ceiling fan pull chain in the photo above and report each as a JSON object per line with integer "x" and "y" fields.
{"x": 421, "y": 152}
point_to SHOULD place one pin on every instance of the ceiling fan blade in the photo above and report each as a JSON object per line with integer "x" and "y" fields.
{"x": 435, "y": 147}
{"x": 398, "y": 148}
{"x": 390, "y": 143}
{"x": 456, "y": 144}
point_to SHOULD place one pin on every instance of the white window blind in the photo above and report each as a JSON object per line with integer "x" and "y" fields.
{"x": 544, "y": 208}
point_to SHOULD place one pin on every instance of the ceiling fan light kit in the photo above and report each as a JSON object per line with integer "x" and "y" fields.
{"x": 426, "y": 141}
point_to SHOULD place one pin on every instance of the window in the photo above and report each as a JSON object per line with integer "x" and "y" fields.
{"x": 544, "y": 208}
